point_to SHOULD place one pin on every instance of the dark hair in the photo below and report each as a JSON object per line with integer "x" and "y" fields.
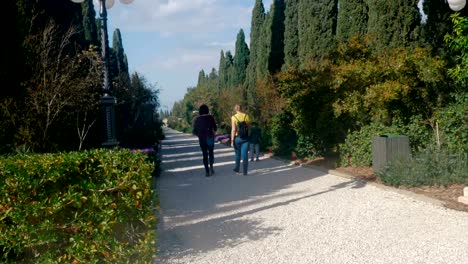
{"x": 203, "y": 109}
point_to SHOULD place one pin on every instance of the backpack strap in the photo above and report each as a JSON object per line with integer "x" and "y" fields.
{"x": 245, "y": 118}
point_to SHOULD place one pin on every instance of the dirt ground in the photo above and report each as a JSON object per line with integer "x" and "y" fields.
{"x": 447, "y": 194}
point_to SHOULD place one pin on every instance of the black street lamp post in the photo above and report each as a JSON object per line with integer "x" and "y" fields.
{"x": 107, "y": 100}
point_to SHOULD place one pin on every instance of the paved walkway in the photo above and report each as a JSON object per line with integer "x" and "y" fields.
{"x": 282, "y": 213}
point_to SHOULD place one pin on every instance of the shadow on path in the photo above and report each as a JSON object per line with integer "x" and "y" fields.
{"x": 200, "y": 214}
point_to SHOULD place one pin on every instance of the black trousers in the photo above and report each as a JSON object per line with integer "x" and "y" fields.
{"x": 207, "y": 148}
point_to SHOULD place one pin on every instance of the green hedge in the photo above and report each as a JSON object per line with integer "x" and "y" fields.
{"x": 429, "y": 167}
{"x": 81, "y": 207}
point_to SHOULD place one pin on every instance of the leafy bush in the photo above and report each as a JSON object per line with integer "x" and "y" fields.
{"x": 430, "y": 167}
{"x": 283, "y": 136}
{"x": 308, "y": 146}
{"x": 452, "y": 122}
{"x": 357, "y": 149}
{"x": 93, "y": 206}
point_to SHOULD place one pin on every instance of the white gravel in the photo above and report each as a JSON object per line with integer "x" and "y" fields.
{"x": 282, "y": 213}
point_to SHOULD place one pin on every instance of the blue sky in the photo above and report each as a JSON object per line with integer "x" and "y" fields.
{"x": 170, "y": 41}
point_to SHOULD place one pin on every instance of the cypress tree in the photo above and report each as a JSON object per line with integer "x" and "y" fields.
{"x": 89, "y": 22}
{"x": 270, "y": 56}
{"x": 98, "y": 30}
{"x": 213, "y": 74}
{"x": 291, "y": 38}
{"x": 263, "y": 49}
{"x": 394, "y": 23}
{"x": 222, "y": 83}
{"x": 118, "y": 49}
{"x": 256, "y": 33}
{"x": 64, "y": 13}
{"x": 241, "y": 59}
{"x": 12, "y": 51}
{"x": 437, "y": 23}
{"x": 352, "y": 19}
{"x": 276, "y": 36}
{"x": 316, "y": 28}
{"x": 225, "y": 70}
{"x": 258, "y": 19}
{"x": 229, "y": 61}
{"x": 201, "y": 78}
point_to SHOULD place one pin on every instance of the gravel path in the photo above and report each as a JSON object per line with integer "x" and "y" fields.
{"x": 282, "y": 213}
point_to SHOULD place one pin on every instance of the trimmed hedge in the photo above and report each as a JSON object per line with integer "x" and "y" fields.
{"x": 81, "y": 207}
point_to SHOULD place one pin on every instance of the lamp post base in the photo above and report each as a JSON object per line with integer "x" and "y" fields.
{"x": 108, "y": 119}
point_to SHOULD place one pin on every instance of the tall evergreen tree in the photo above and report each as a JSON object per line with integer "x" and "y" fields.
{"x": 226, "y": 71}
{"x": 201, "y": 78}
{"x": 241, "y": 60}
{"x": 118, "y": 68}
{"x": 317, "y": 27}
{"x": 275, "y": 35}
{"x": 291, "y": 38}
{"x": 89, "y": 22}
{"x": 12, "y": 51}
{"x": 263, "y": 49}
{"x": 229, "y": 60}
{"x": 213, "y": 74}
{"x": 258, "y": 19}
{"x": 118, "y": 49}
{"x": 437, "y": 23}
{"x": 394, "y": 23}
{"x": 222, "y": 83}
{"x": 352, "y": 19}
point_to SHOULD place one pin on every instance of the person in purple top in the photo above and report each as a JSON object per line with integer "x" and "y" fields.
{"x": 205, "y": 127}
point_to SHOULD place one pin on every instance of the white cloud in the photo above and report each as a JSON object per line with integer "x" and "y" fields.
{"x": 179, "y": 16}
{"x": 182, "y": 60}
{"x": 173, "y": 7}
{"x": 221, "y": 45}
{"x": 174, "y": 72}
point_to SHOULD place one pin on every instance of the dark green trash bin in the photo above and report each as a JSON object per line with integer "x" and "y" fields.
{"x": 387, "y": 147}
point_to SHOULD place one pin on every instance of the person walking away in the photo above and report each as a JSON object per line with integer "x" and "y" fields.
{"x": 204, "y": 128}
{"x": 254, "y": 141}
{"x": 240, "y": 123}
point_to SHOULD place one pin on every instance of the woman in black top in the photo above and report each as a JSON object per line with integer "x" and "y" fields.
{"x": 205, "y": 127}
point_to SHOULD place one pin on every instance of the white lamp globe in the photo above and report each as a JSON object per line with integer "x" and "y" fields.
{"x": 109, "y": 3}
{"x": 456, "y": 5}
{"x": 126, "y": 1}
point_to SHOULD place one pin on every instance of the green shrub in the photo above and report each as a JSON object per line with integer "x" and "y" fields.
{"x": 310, "y": 147}
{"x": 452, "y": 122}
{"x": 283, "y": 136}
{"x": 430, "y": 167}
{"x": 93, "y": 206}
{"x": 357, "y": 149}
